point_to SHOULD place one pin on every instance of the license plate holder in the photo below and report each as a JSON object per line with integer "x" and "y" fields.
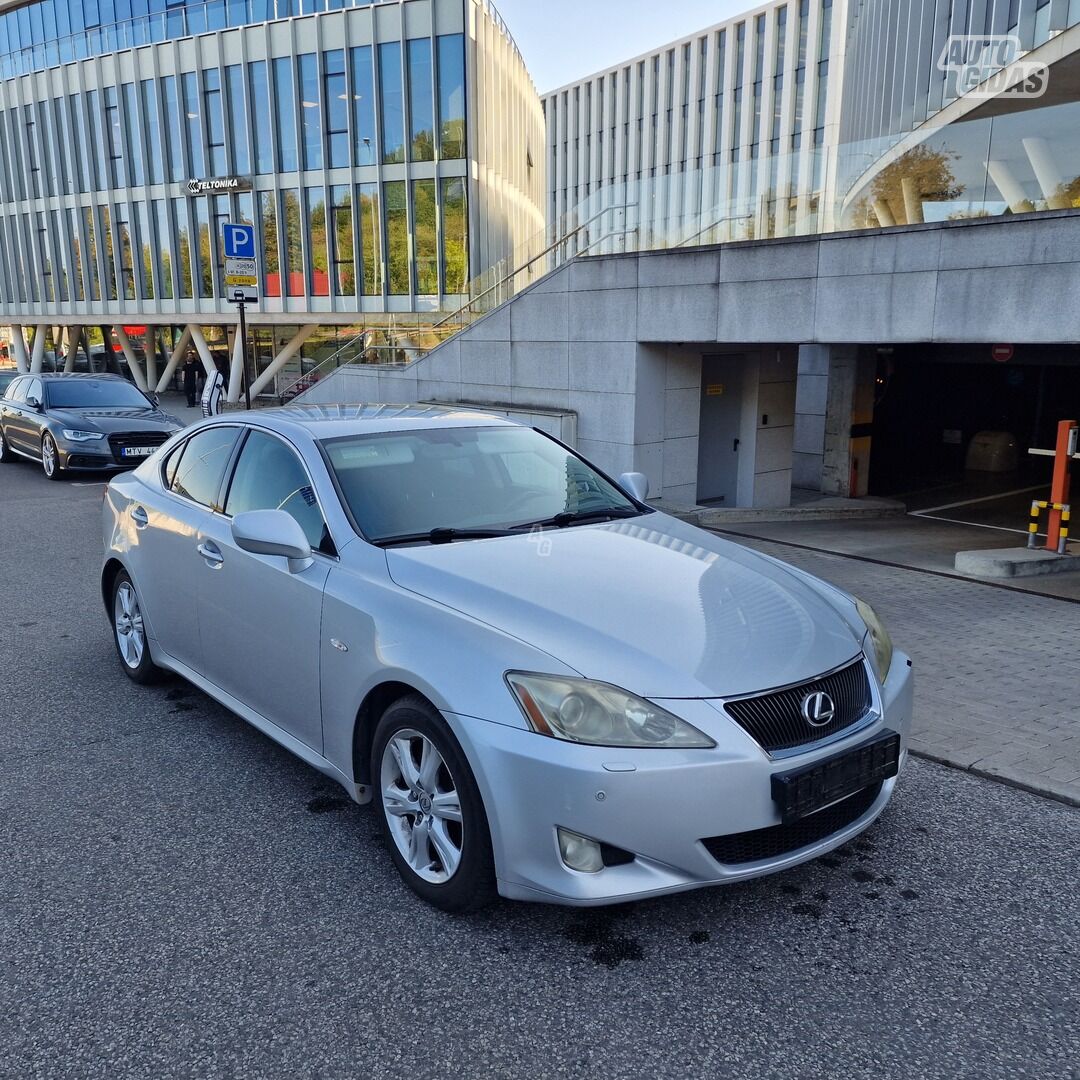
{"x": 804, "y": 791}
{"x": 137, "y": 451}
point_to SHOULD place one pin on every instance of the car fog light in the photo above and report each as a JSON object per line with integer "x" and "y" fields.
{"x": 580, "y": 853}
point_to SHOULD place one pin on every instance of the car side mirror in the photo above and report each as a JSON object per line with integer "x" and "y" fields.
{"x": 636, "y": 483}
{"x": 272, "y": 532}
{"x": 35, "y": 404}
{"x": 155, "y": 399}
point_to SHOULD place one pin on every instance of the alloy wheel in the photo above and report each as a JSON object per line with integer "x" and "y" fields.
{"x": 48, "y": 456}
{"x": 422, "y": 805}
{"x": 128, "y": 620}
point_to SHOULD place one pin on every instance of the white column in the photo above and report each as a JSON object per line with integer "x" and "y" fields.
{"x": 18, "y": 343}
{"x": 133, "y": 363}
{"x": 884, "y": 214}
{"x": 1011, "y": 189}
{"x": 72, "y": 334}
{"x": 150, "y": 350}
{"x": 1047, "y": 173}
{"x": 202, "y": 349}
{"x": 178, "y": 354}
{"x": 283, "y": 358}
{"x": 236, "y": 374}
{"x": 912, "y": 201}
{"x": 37, "y": 348}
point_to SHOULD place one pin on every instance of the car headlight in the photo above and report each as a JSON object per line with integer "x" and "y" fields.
{"x": 581, "y": 711}
{"x": 81, "y": 436}
{"x": 879, "y": 638}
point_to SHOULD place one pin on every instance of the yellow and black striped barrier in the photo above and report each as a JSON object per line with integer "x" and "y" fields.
{"x": 1037, "y": 507}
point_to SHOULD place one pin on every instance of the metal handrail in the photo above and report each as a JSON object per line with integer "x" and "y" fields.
{"x": 282, "y": 395}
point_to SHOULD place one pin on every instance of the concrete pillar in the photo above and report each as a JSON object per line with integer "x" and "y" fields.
{"x": 202, "y": 349}
{"x": 884, "y": 214}
{"x": 178, "y": 354}
{"x": 18, "y": 345}
{"x": 1011, "y": 189}
{"x": 133, "y": 362}
{"x": 912, "y": 201}
{"x": 37, "y": 348}
{"x": 1047, "y": 173}
{"x": 236, "y": 371}
{"x": 283, "y": 358}
{"x": 72, "y": 334}
{"x": 150, "y": 351}
{"x": 834, "y": 391}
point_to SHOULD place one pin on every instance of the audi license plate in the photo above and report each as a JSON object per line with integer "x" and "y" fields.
{"x": 803, "y": 791}
{"x": 137, "y": 451}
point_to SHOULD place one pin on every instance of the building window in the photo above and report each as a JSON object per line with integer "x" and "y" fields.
{"x": 341, "y": 236}
{"x": 205, "y": 272}
{"x": 133, "y": 144}
{"x": 105, "y": 231}
{"x": 62, "y": 144}
{"x": 455, "y": 220}
{"x": 319, "y": 279}
{"x": 115, "y": 136}
{"x": 451, "y": 57}
{"x": 421, "y": 101}
{"x": 268, "y": 230}
{"x": 174, "y": 140}
{"x": 308, "y": 66}
{"x": 397, "y": 238}
{"x": 43, "y": 255}
{"x": 425, "y": 238}
{"x": 260, "y": 111}
{"x": 97, "y": 148}
{"x": 154, "y": 162}
{"x": 336, "y": 109}
{"x": 76, "y": 255}
{"x": 190, "y": 87}
{"x": 238, "y": 118}
{"x": 183, "y": 246}
{"x": 215, "y": 123}
{"x": 144, "y": 251}
{"x": 393, "y": 113}
{"x": 164, "y": 249}
{"x": 31, "y": 143}
{"x": 363, "y": 106}
{"x": 294, "y": 246}
{"x": 371, "y": 239}
{"x": 286, "y": 114}
{"x": 124, "y": 256}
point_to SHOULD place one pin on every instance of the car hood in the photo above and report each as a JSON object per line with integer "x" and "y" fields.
{"x": 653, "y": 605}
{"x": 109, "y": 420}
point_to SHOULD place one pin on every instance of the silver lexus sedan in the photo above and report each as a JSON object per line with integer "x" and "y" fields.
{"x": 548, "y": 689}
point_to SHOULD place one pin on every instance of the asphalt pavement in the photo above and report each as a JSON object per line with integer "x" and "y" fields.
{"x": 180, "y": 897}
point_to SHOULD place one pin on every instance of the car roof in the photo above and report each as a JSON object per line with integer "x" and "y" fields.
{"x": 49, "y": 376}
{"x": 335, "y": 421}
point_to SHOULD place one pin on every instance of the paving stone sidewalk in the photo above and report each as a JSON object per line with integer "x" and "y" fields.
{"x": 997, "y": 672}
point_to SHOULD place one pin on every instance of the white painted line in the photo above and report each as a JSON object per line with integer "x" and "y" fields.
{"x": 971, "y": 502}
{"x": 88, "y": 483}
{"x": 974, "y": 524}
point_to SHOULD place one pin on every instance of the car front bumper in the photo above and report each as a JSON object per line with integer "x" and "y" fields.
{"x": 659, "y": 805}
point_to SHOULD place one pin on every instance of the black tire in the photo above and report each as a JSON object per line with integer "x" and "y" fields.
{"x": 7, "y": 455}
{"x": 143, "y": 670}
{"x": 49, "y": 453}
{"x": 472, "y": 884}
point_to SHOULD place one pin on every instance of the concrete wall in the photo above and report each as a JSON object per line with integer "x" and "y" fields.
{"x": 618, "y": 339}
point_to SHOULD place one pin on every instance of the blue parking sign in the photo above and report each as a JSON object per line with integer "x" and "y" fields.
{"x": 239, "y": 241}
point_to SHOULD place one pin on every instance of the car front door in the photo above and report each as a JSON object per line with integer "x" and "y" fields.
{"x": 23, "y": 426}
{"x": 170, "y": 521}
{"x": 260, "y": 621}
{"x": 11, "y": 407}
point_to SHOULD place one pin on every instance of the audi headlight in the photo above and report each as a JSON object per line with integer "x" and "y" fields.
{"x": 581, "y": 711}
{"x": 81, "y": 436}
{"x": 879, "y": 638}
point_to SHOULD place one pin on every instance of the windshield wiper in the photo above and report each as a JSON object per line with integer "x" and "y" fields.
{"x": 442, "y": 536}
{"x": 575, "y": 517}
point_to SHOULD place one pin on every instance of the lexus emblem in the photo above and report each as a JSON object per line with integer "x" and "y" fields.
{"x": 818, "y": 709}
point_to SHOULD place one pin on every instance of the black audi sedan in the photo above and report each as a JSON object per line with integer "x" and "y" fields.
{"x": 76, "y": 423}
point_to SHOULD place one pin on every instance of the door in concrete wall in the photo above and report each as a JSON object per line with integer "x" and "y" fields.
{"x": 721, "y": 417}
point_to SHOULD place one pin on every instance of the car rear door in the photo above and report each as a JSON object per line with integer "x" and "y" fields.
{"x": 170, "y": 523}
{"x": 11, "y": 406}
{"x": 261, "y": 621}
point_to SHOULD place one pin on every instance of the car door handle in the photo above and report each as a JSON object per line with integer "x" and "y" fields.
{"x": 139, "y": 516}
{"x": 210, "y": 552}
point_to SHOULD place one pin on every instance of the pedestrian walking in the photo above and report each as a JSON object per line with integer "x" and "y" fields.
{"x": 191, "y": 380}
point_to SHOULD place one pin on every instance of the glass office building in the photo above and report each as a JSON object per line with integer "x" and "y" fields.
{"x": 384, "y": 153}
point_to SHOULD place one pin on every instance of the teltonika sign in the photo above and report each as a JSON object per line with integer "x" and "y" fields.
{"x": 220, "y": 184}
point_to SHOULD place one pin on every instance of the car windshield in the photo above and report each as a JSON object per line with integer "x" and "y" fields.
{"x": 409, "y": 483}
{"x": 95, "y": 394}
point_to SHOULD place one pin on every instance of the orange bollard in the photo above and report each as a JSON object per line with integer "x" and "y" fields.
{"x": 1059, "y": 486}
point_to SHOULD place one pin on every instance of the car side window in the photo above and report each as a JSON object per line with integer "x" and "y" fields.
{"x": 202, "y": 464}
{"x": 270, "y": 476}
{"x": 172, "y": 462}
{"x": 34, "y": 390}
{"x": 15, "y": 390}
